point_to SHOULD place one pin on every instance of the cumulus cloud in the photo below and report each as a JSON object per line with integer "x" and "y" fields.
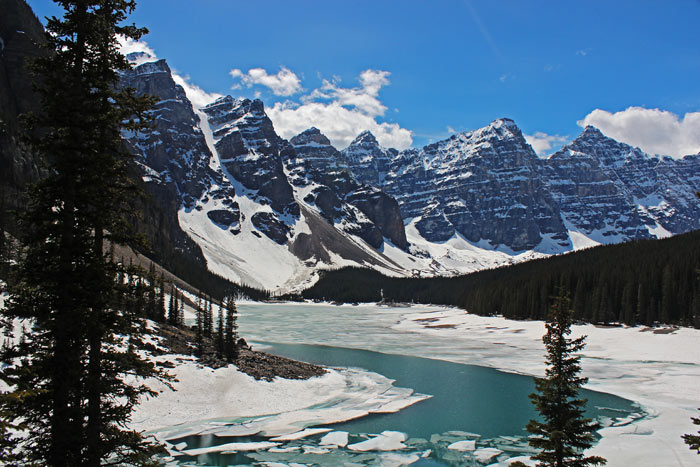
{"x": 144, "y": 53}
{"x": 545, "y": 144}
{"x": 284, "y": 83}
{"x": 342, "y": 113}
{"x": 198, "y": 96}
{"x": 655, "y": 131}
{"x": 141, "y": 48}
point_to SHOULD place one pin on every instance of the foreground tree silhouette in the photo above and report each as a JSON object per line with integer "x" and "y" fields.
{"x": 68, "y": 375}
{"x": 564, "y": 433}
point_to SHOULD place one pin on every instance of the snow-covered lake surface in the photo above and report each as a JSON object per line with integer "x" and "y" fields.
{"x": 658, "y": 369}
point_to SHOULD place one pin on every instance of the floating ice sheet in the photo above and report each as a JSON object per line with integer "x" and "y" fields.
{"x": 486, "y": 454}
{"x": 231, "y": 447}
{"x": 335, "y": 438}
{"x": 301, "y": 434}
{"x": 386, "y": 441}
{"x": 468, "y": 445}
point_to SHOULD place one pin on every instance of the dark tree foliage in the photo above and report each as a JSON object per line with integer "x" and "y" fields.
{"x": 199, "y": 323}
{"x": 231, "y": 330}
{"x": 693, "y": 441}
{"x": 641, "y": 282}
{"x": 219, "y": 341}
{"x": 67, "y": 376}
{"x": 564, "y": 433}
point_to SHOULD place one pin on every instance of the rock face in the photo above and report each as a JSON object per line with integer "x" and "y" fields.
{"x": 484, "y": 185}
{"x": 174, "y": 150}
{"x": 620, "y": 192}
{"x": 251, "y": 152}
{"x": 357, "y": 208}
{"x": 21, "y": 37}
{"x": 367, "y": 160}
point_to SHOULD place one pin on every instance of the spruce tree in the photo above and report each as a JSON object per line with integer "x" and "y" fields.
{"x": 564, "y": 433}
{"x": 180, "y": 309}
{"x": 67, "y": 376}
{"x": 231, "y": 331}
{"x": 172, "y": 309}
{"x": 693, "y": 441}
{"x": 199, "y": 326}
{"x": 161, "y": 300}
{"x": 220, "y": 333}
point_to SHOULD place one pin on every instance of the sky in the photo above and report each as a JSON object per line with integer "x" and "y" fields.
{"x": 415, "y": 71}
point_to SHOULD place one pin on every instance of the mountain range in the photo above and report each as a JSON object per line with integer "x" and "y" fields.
{"x": 227, "y": 190}
{"x": 270, "y": 212}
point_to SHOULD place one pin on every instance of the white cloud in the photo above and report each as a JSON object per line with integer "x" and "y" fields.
{"x": 128, "y": 45}
{"x": 655, "y": 131}
{"x": 340, "y": 124}
{"x": 198, "y": 96}
{"x": 195, "y": 94}
{"x": 544, "y": 144}
{"x": 284, "y": 83}
{"x": 342, "y": 113}
{"x": 365, "y": 98}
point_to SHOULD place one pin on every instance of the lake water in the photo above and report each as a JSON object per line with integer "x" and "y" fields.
{"x": 468, "y": 401}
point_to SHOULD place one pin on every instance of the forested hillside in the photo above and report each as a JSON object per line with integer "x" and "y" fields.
{"x": 640, "y": 282}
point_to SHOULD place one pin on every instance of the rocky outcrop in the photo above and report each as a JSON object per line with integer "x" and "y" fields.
{"x": 619, "y": 191}
{"x": 487, "y": 184}
{"x": 21, "y": 39}
{"x": 358, "y": 209}
{"x": 174, "y": 150}
{"x": 367, "y": 160}
{"x": 251, "y": 152}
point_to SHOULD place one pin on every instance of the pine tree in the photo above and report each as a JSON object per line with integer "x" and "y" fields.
{"x": 220, "y": 333}
{"x": 231, "y": 331}
{"x": 172, "y": 307}
{"x": 181, "y": 309}
{"x": 210, "y": 319}
{"x": 199, "y": 326}
{"x": 161, "y": 300}
{"x": 564, "y": 433}
{"x": 67, "y": 375}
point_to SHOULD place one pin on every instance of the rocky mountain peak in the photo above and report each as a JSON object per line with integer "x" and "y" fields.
{"x": 310, "y": 137}
{"x": 139, "y": 58}
{"x": 149, "y": 67}
{"x": 366, "y": 138}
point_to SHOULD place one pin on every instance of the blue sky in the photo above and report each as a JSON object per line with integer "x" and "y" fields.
{"x": 629, "y": 67}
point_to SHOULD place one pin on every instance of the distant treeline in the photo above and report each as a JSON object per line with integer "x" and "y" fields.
{"x": 641, "y": 282}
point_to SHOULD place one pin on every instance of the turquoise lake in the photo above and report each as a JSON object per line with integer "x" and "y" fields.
{"x": 468, "y": 401}
{"x": 466, "y": 398}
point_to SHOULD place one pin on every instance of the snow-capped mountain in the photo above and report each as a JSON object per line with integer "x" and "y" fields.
{"x": 485, "y": 185}
{"x": 271, "y": 213}
{"x": 611, "y": 192}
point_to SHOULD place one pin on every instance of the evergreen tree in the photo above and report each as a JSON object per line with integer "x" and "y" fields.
{"x": 564, "y": 433}
{"x": 231, "y": 331}
{"x": 199, "y": 326}
{"x": 161, "y": 300}
{"x": 210, "y": 319}
{"x": 220, "y": 333}
{"x": 693, "y": 441}
{"x": 181, "y": 310}
{"x": 67, "y": 375}
{"x": 172, "y": 307}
